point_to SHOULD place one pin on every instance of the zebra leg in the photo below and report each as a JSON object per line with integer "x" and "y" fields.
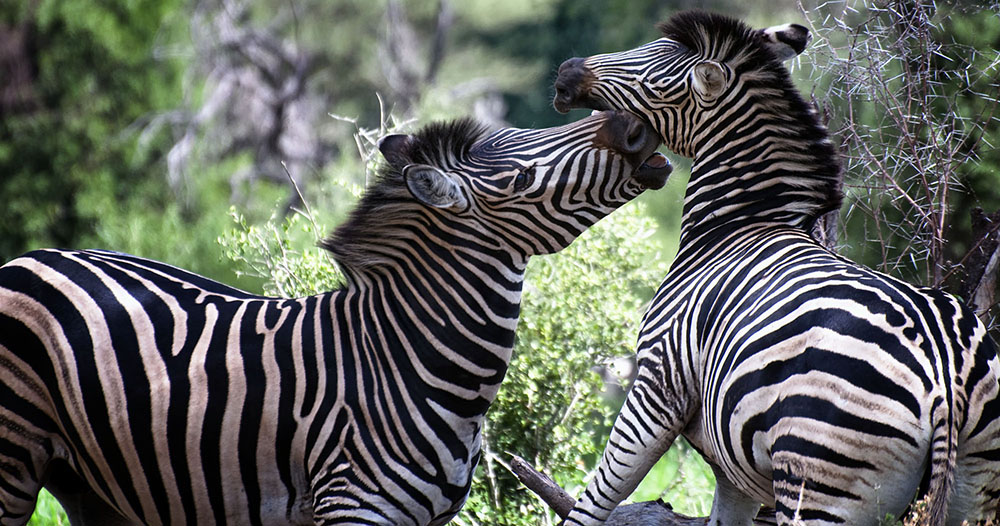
{"x": 18, "y": 489}
{"x": 731, "y": 507}
{"x": 811, "y": 491}
{"x": 976, "y": 491}
{"x": 647, "y": 425}
{"x": 20, "y": 473}
{"x": 25, "y": 447}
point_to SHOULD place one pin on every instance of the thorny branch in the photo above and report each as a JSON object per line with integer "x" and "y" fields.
{"x": 913, "y": 108}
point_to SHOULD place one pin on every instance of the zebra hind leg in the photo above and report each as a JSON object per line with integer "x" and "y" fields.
{"x": 730, "y": 506}
{"x": 25, "y": 446}
{"x": 19, "y": 481}
{"x": 813, "y": 492}
{"x": 976, "y": 492}
{"x": 17, "y": 494}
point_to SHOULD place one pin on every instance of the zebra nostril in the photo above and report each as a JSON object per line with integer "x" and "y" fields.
{"x": 562, "y": 93}
{"x": 636, "y": 139}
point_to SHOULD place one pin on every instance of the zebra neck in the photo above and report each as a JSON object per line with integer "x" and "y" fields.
{"x": 449, "y": 319}
{"x": 783, "y": 173}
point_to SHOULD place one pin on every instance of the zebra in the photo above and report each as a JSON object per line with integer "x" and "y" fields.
{"x": 810, "y": 384}
{"x": 139, "y": 393}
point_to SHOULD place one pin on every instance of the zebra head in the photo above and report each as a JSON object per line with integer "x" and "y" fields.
{"x": 677, "y": 83}
{"x": 519, "y": 192}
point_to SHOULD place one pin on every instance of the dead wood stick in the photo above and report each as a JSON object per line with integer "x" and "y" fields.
{"x": 650, "y": 513}
{"x": 543, "y": 486}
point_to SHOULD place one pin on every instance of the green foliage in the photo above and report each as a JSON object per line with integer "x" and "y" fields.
{"x": 93, "y": 76}
{"x": 48, "y": 512}
{"x": 580, "y": 311}
{"x": 681, "y": 478}
{"x": 271, "y": 253}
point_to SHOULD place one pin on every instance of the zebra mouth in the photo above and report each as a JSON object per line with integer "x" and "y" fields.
{"x": 654, "y": 172}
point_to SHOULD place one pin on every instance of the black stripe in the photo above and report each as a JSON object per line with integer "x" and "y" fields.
{"x": 250, "y": 349}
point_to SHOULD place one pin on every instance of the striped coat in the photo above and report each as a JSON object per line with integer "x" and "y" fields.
{"x": 810, "y": 384}
{"x": 140, "y": 393}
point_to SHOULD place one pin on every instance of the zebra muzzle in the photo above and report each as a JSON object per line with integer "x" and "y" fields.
{"x": 629, "y": 136}
{"x": 654, "y": 171}
{"x": 572, "y": 87}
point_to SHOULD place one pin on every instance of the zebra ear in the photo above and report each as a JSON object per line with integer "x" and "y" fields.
{"x": 395, "y": 148}
{"x": 709, "y": 79}
{"x": 433, "y": 187}
{"x": 786, "y": 41}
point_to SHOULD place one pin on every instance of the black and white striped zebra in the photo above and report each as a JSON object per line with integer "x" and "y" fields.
{"x": 810, "y": 384}
{"x": 139, "y": 393}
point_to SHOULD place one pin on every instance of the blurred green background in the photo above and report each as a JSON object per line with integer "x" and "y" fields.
{"x": 173, "y": 129}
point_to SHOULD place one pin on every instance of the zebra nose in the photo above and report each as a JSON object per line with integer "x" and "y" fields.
{"x": 637, "y": 138}
{"x": 637, "y": 141}
{"x": 630, "y": 135}
{"x": 571, "y": 85}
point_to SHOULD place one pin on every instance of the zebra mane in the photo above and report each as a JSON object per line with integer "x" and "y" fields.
{"x": 717, "y": 37}
{"x": 386, "y": 203}
{"x": 729, "y": 40}
{"x": 444, "y": 143}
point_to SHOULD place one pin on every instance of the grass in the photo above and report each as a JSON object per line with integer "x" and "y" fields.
{"x": 48, "y": 512}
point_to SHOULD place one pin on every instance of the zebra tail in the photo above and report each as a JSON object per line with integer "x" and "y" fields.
{"x": 944, "y": 448}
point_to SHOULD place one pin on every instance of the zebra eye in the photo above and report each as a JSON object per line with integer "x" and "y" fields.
{"x": 524, "y": 178}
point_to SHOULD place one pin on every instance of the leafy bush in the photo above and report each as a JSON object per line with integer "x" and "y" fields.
{"x": 283, "y": 254}
{"x": 48, "y": 512}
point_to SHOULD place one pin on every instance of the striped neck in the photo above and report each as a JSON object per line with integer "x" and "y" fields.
{"x": 774, "y": 163}
{"x": 449, "y": 309}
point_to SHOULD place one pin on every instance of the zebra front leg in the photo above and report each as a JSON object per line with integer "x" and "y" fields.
{"x": 645, "y": 428}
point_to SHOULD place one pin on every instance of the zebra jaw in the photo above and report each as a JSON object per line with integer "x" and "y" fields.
{"x": 654, "y": 171}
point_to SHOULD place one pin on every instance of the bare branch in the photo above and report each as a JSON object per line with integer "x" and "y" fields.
{"x": 542, "y": 485}
{"x": 915, "y": 110}
{"x": 650, "y": 513}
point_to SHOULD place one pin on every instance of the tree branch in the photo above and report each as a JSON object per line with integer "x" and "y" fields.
{"x": 650, "y": 513}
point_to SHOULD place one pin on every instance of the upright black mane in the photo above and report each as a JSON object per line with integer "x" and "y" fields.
{"x": 377, "y": 216}
{"x": 726, "y": 39}
{"x": 718, "y": 37}
{"x": 443, "y": 143}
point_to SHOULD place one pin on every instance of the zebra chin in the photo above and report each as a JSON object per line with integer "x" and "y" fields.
{"x": 654, "y": 172}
